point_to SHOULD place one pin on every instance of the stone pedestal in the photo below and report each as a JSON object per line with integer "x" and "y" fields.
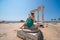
{"x": 28, "y": 35}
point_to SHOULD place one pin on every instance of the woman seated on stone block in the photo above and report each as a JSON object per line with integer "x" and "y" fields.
{"x": 29, "y": 22}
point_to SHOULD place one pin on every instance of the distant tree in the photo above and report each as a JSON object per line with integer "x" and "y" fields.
{"x": 55, "y": 19}
{"x": 59, "y": 19}
{"x": 3, "y": 21}
{"x": 22, "y": 21}
{"x": 51, "y": 19}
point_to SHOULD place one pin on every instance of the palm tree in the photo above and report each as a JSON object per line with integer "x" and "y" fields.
{"x": 59, "y": 19}
{"x": 55, "y": 19}
{"x": 51, "y": 19}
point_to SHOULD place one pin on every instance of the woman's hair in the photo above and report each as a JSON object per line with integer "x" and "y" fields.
{"x": 32, "y": 14}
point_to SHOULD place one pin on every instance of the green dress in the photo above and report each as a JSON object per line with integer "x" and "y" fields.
{"x": 29, "y": 22}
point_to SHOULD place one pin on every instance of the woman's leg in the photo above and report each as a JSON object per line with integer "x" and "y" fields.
{"x": 23, "y": 25}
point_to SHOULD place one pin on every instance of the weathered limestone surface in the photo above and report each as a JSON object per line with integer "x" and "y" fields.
{"x": 28, "y": 35}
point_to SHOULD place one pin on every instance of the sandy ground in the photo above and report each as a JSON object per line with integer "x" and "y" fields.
{"x": 52, "y": 32}
{"x": 8, "y": 31}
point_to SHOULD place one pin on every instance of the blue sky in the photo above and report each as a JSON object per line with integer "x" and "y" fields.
{"x": 15, "y": 10}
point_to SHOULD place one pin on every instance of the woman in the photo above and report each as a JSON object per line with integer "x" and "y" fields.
{"x": 29, "y": 22}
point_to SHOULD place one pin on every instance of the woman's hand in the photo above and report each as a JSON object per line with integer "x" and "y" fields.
{"x": 21, "y": 27}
